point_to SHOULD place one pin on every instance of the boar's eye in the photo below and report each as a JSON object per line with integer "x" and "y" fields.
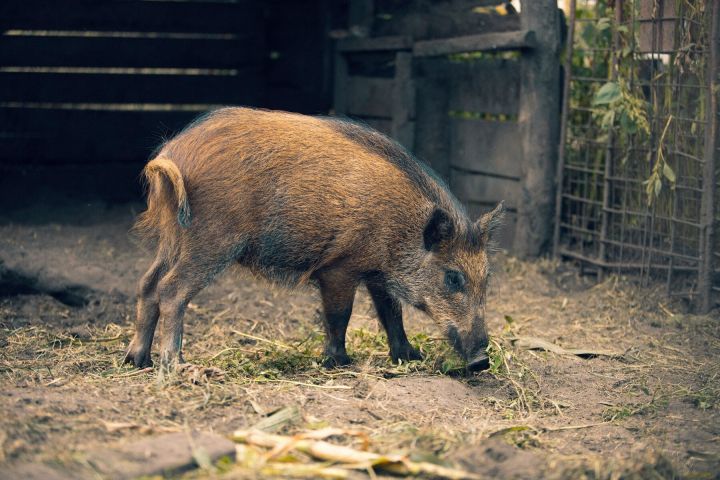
{"x": 454, "y": 281}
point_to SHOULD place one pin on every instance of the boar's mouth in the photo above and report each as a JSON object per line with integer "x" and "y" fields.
{"x": 478, "y": 363}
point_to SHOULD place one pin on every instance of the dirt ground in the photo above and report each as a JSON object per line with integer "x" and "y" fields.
{"x": 650, "y": 409}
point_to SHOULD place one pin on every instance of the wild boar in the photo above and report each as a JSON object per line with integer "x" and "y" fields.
{"x": 320, "y": 200}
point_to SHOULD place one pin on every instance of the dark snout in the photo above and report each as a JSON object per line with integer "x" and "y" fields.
{"x": 472, "y": 345}
{"x": 479, "y": 363}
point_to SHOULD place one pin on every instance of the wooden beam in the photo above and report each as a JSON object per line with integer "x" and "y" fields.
{"x": 403, "y": 101}
{"x": 340, "y": 83}
{"x": 374, "y": 44}
{"x": 486, "y": 42}
{"x": 539, "y": 118}
{"x": 707, "y": 215}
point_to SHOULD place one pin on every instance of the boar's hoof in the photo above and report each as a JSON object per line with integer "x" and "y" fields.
{"x": 406, "y": 354}
{"x": 138, "y": 359}
{"x": 334, "y": 361}
{"x": 479, "y": 363}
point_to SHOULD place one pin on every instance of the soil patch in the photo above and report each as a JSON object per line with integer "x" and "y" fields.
{"x": 653, "y": 409}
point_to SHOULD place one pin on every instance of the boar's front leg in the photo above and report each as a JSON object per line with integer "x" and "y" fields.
{"x": 389, "y": 311}
{"x": 338, "y": 293}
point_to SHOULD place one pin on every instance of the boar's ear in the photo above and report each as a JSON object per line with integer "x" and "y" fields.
{"x": 490, "y": 221}
{"x": 439, "y": 228}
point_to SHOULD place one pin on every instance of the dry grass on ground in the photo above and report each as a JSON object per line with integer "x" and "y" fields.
{"x": 651, "y": 411}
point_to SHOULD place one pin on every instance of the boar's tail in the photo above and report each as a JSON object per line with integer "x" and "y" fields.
{"x": 167, "y": 200}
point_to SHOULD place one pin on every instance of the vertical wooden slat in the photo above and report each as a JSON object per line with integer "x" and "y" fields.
{"x": 708, "y": 197}
{"x": 539, "y": 122}
{"x": 403, "y": 112}
{"x": 340, "y": 86}
{"x": 432, "y": 128}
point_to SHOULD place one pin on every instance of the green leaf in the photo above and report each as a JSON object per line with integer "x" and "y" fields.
{"x": 608, "y": 93}
{"x": 608, "y": 119}
{"x": 626, "y": 123}
{"x": 603, "y": 24}
{"x": 668, "y": 172}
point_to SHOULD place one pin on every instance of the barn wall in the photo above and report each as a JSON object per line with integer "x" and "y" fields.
{"x": 465, "y": 110}
{"x": 485, "y": 98}
{"x": 88, "y": 89}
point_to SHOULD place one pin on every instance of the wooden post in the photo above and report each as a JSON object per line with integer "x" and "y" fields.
{"x": 360, "y": 17}
{"x": 432, "y": 123}
{"x": 340, "y": 83}
{"x": 403, "y": 111}
{"x": 707, "y": 215}
{"x": 539, "y": 117}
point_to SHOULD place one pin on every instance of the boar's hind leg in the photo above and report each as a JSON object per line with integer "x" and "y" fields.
{"x": 179, "y": 285}
{"x": 389, "y": 311}
{"x": 338, "y": 292}
{"x": 148, "y": 310}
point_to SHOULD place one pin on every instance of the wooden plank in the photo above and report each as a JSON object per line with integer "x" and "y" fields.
{"x": 486, "y": 42}
{"x": 483, "y": 189}
{"x": 340, "y": 84}
{"x": 487, "y": 86}
{"x": 245, "y": 88}
{"x": 369, "y": 97}
{"x": 374, "y": 44}
{"x": 539, "y": 114}
{"x": 129, "y": 52}
{"x": 31, "y": 135}
{"x": 131, "y": 15}
{"x": 486, "y": 147}
{"x": 709, "y": 208}
{"x": 403, "y": 101}
{"x": 431, "y": 122}
{"x": 424, "y": 20}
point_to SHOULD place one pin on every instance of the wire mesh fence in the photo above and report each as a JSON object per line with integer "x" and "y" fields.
{"x": 639, "y": 151}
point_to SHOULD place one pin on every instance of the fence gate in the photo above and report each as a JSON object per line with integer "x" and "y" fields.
{"x": 470, "y": 87}
{"x": 639, "y": 151}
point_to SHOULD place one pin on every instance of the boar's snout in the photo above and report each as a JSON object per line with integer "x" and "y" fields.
{"x": 479, "y": 363}
{"x": 472, "y": 345}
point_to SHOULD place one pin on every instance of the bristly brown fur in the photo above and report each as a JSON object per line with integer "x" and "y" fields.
{"x": 167, "y": 201}
{"x": 297, "y": 198}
